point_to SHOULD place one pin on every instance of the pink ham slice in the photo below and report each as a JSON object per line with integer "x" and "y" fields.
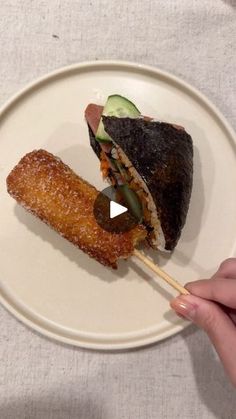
{"x": 93, "y": 115}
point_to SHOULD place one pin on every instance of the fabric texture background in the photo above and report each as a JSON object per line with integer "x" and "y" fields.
{"x": 180, "y": 377}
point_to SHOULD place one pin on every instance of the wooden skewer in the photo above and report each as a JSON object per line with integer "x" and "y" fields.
{"x": 175, "y": 284}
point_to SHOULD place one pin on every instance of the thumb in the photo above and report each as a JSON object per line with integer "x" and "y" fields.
{"x": 216, "y": 323}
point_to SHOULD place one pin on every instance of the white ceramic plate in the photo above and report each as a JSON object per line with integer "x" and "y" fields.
{"x": 55, "y": 288}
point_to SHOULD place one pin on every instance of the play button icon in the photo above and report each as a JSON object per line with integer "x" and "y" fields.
{"x": 116, "y": 209}
{"x": 113, "y": 211}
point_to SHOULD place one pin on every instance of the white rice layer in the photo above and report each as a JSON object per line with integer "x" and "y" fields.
{"x": 158, "y": 241}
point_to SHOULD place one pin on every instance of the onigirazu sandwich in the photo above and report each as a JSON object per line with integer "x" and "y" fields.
{"x": 151, "y": 158}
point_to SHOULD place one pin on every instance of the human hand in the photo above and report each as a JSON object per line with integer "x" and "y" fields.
{"x": 212, "y": 306}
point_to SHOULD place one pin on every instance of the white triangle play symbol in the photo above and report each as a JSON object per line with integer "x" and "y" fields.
{"x": 116, "y": 209}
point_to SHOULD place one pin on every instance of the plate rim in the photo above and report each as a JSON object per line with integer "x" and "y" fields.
{"x": 94, "y": 65}
{"x": 92, "y": 345}
{"x": 132, "y": 66}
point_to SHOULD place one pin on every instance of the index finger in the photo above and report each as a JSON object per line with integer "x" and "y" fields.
{"x": 221, "y": 291}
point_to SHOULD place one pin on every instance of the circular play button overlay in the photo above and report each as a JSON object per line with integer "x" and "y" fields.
{"x": 117, "y": 209}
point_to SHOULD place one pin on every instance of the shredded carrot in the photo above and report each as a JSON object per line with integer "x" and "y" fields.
{"x": 104, "y": 166}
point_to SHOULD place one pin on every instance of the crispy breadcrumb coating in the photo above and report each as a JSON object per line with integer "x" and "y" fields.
{"x": 50, "y": 190}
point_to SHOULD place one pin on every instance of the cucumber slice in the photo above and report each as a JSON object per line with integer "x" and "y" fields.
{"x": 120, "y": 107}
{"x": 132, "y": 201}
{"x": 123, "y": 171}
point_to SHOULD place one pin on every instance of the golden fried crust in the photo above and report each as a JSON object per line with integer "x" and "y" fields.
{"x": 49, "y": 189}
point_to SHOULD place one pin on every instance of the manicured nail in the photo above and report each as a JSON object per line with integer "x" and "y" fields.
{"x": 184, "y": 307}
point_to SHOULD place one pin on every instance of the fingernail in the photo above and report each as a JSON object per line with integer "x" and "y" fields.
{"x": 184, "y": 307}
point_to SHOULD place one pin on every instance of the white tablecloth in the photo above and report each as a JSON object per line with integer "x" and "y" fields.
{"x": 180, "y": 377}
